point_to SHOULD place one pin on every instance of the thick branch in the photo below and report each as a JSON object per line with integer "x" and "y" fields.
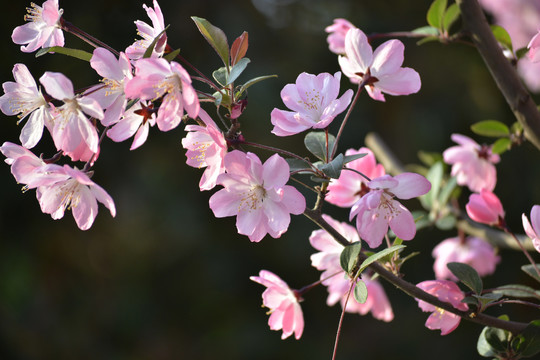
{"x": 502, "y": 71}
{"x": 413, "y": 290}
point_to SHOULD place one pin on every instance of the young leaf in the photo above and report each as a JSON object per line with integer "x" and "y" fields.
{"x": 360, "y": 292}
{"x": 370, "y": 260}
{"x": 483, "y": 347}
{"x": 253, "y": 81}
{"x": 221, "y": 76}
{"x": 497, "y": 339}
{"x": 517, "y": 291}
{"x": 529, "y": 340}
{"x": 237, "y": 69}
{"x": 348, "y": 158}
{"x": 316, "y": 144}
{"x": 467, "y": 275}
{"x": 150, "y": 49}
{"x": 427, "y": 30}
{"x": 501, "y": 145}
{"x": 490, "y": 128}
{"x": 333, "y": 168}
{"x": 446, "y": 191}
{"x": 239, "y": 48}
{"x": 436, "y": 12}
{"x": 215, "y": 37}
{"x": 434, "y": 176}
{"x": 447, "y": 222}
{"x": 529, "y": 269}
{"x": 450, "y": 16}
{"x": 297, "y": 164}
{"x": 349, "y": 255}
{"x": 76, "y": 53}
{"x": 502, "y": 36}
{"x": 170, "y": 56}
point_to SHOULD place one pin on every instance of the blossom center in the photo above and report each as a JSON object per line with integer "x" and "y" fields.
{"x": 34, "y": 13}
{"x": 168, "y": 85}
{"x": 253, "y": 198}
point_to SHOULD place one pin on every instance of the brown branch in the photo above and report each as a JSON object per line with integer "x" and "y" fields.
{"x": 502, "y": 71}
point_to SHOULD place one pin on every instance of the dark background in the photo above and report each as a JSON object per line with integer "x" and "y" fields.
{"x": 167, "y": 280}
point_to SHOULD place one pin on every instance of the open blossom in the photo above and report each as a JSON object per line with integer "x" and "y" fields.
{"x": 477, "y": 253}
{"x": 351, "y": 186}
{"x": 377, "y": 210}
{"x": 110, "y": 94}
{"x": 256, "y": 193}
{"x": 532, "y": 229}
{"x": 206, "y": 147}
{"x": 485, "y": 208}
{"x": 43, "y": 28}
{"x": 446, "y": 291}
{"x": 24, "y": 163}
{"x": 156, "y": 78}
{"x": 336, "y": 35}
{"x": 335, "y": 279}
{"x": 23, "y": 98}
{"x": 285, "y": 311}
{"x": 71, "y": 126}
{"x": 135, "y": 122}
{"x": 149, "y": 33}
{"x": 472, "y": 164}
{"x": 381, "y": 70}
{"x": 314, "y": 103}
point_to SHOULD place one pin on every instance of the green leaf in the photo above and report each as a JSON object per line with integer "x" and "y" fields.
{"x": 517, "y": 291}
{"x": 348, "y": 158}
{"x": 370, "y": 260}
{"x": 316, "y": 144}
{"x": 502, "y": 36}
{"x": 150, "y": 49}
{"x": 529, "y": 343}
{"x": 360, "y": 292}
{"x": 251, "y": 82}
{"x": 349, "y": 256}
{"x": 434, "y": 176}
{"x": 333, "y": 168}
{"x": 467, "y": 275}
{"x": 429, "y": 158}
{"x": 237, "y": 69}
{"x": 427, "y": 39}
{"x": 497, "y": 339}
{"x": 427, "y": 30}
{"x": 296, "y": 164}
{"x": 76, "y": 53}
{"x": 450, "y": 16}
{"x": 221, "y": 75}
{"x": 501, "y": 145}
{"x": 435, "y": 13}
{"x": 521, "y": 52}
{"x": 173, "y": 54}
{"x": 483, "y": 347}
{"x": 487, "y": 299}
{"x": 446, "y": 191}
{"x": 447, "y": 222}
{"x": 215, "y": 37}
{"x": 529, "y": 269}
{"x": 239, "y": 48}
{"x": 490, "y": 128}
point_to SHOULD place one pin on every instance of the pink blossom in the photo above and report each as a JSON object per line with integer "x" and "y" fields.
{"x": 336, "y": 35}
{"x": 285, "y": 311}
{"x": 256, "y": 193}
{"x": 485, "y": 208}
{"x": 206, "y": 147}
{"x": 148, "y": 34}
{"x": 446, "y": 291}
{"x": 351, "y": 186}
{"x": 71, "y": 126}
{"x": 534, "y": 48}
{"x": 337, "y": 282}
{"x": 472, "y": 164}
{"x": 42, "y": 30}
{"x": 157, "y": 78}
{"x": 23, "y": 98}
{"x": 135, "y": 122}
{"x": 110, "y": 94}
{"x": 473, "y": 251}
{"x": 532, "y": 228}
{"x": 73, "y": 191}
{"x": 380, "y": 70}
{"x": 23, "y": 162}
{"x": 313, "y": 101}
{"x": 377, "y": 210}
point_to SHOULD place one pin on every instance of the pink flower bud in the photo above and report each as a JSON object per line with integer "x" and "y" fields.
{"x": 485, "y": 208}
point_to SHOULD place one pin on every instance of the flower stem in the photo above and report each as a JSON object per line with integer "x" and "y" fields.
{"x": 89, "y": 39}
{"x": 341, "y": 321}
{"x": 533, "y": 263}
{"x": 347, "y": 115}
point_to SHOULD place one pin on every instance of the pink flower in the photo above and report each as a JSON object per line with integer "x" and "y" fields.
{"x": 43, "y": 30}
{"x": 256, "y": 193}
{"x": 351, "y": 186}
{"x": 23, "y": 162}
{"x": 532, "y": 230}
{"x": 337, "y": 282}
{"x": 23, "y": 98}
{"x": 71, "y": 127}
{"x": 377, "y": 210}
{"x": 148, "y": 34}
{"x": 74, "y": 191}
{"x": 446, "y": 291}
{"x": 285, "y": 310}
{"x": 485, "y": 208}
{"x": 381, "y": 70}
{"x": 135, "y": 121}
{"x": 472, "y": 164}
{"x": 313, "y": 101}
{"x": 206, "y": 147}
{"x": 110, "y": 94}
{"x": 156, "y": 78}
{"x": 336, "y": 35}
{"x": 473, "y": 251}
{"x": 534, "y": 47}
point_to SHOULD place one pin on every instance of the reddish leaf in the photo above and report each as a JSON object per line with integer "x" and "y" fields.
{"x": 239, "y": 48}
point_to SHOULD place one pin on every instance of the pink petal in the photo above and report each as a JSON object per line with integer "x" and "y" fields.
{"x": 411, "y": 185}
{"x": 57, "y": 85}
{"x": 387, "y": 58}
